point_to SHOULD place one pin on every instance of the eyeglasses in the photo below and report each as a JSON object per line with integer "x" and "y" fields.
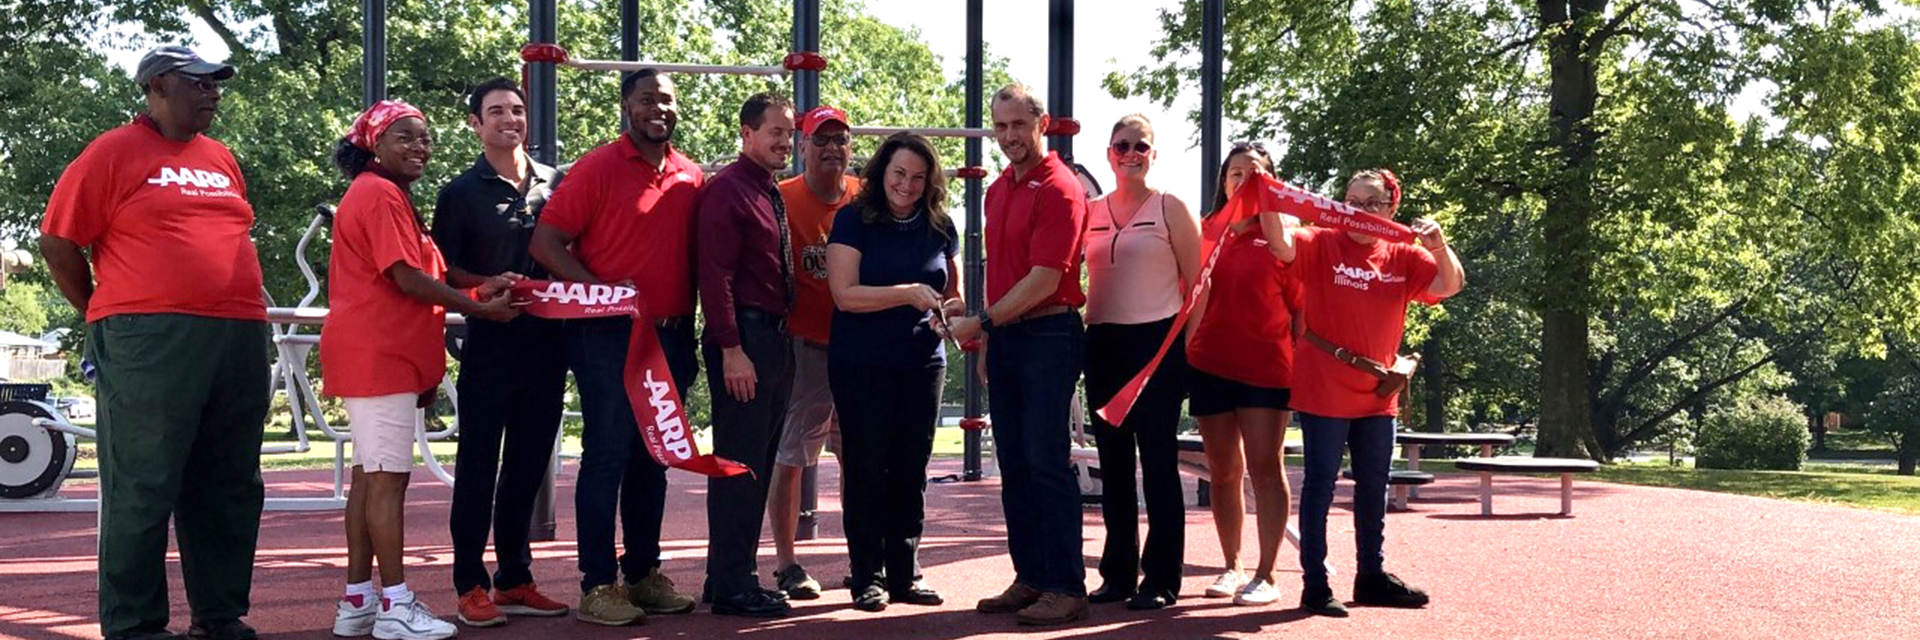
{"x": 203, "y": 83}
{"x": 822, "y": 140}
{"x": 1123, "y": 147}
{"x": 1373, "y": 206}
{"x": 405, "y": 140}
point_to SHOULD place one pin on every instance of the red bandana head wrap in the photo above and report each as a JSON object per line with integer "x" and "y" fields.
{"x": 375, "y": 121}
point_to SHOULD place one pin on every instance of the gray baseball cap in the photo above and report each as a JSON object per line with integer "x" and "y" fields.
{"x": 171, "y": 58}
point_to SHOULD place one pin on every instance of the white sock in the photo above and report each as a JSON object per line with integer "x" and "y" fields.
{"x": 396, "y": 593}
{"x": 360, "y": 592}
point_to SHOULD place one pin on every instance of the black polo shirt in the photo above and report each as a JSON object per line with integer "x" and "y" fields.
{"x": 482, "y": 224}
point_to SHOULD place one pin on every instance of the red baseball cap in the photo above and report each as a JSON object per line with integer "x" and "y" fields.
{"x": 819, "y": 116}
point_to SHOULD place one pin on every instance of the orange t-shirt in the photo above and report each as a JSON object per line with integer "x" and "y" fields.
{"x": 378, "y": 340}
{"x": 1356, "y": 297}
{"x": 167, "y": 224}
{"x": 810, "y": 220}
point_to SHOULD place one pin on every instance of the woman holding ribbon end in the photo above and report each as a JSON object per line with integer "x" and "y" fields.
{"x": 1143, "y": 256}
{"x": 380, "y": 352}
{"x": 1348, "y": 372}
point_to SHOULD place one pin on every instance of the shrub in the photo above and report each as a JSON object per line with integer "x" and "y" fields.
{"x": 1764, "y": 432}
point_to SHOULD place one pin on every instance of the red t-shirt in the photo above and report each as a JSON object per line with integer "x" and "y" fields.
{"x": 1036, "y": 221}
{"x": 811, "y": 220}
{"x": 1355, "y": 296}
{"x": 378, "y": 340}
{"x": 1246, "y": 334}
{"x": 166, "y": 223}
{"x": 631, "y": 221}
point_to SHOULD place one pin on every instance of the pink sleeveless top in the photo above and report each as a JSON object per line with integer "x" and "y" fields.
{"x": 1132, "y": 276}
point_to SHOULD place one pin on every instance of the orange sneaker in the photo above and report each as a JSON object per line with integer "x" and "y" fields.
{"x": 477, "y": 610}
{"x": 526, "y": 600}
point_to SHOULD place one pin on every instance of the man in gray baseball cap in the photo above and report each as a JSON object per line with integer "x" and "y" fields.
{"x": 178, "y": 59}
{"x": 175, "y": 321}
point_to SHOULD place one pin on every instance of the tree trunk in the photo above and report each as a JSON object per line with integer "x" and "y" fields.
{"x": 1819, "y": 429}
{"x": 1909, "y": 452}
{"x": 1563, "y": 294}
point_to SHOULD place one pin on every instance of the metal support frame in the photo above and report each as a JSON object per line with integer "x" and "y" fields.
{"x": 1060, "y": 71}
{"x": 976, "y": 256}
{"x": 541, "y": 21}
{"x": 1213, "y": 21}
{"x": 806, "y": 96}
{"x": 373, "y": 43}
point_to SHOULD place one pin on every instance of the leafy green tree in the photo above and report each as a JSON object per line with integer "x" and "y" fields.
{"x": 1594, "y": 175}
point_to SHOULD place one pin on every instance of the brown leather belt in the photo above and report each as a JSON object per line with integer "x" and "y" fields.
{"x": 1392, "y": 377}
{"x": 1042, "y": 312}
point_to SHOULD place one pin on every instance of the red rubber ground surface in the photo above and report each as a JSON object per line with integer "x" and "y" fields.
{"x": 1633, "y": 562}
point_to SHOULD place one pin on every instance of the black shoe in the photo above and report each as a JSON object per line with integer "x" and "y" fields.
{"x": 754, "y": 603}
{"x": 870, "y": 598}
{"x": 150, "y": 634}
{"x": 1110, "y": 592}
{"x": 1320, "y": 601}
{"x": 1386, "y": 590}
{"x": 918, "y": 594}
{"x": 229, "y": 629}
{"x": 795, "y": 582}
{"x": 1150, "y": 600}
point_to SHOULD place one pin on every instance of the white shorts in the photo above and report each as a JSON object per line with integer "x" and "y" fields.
{"x": 382, "y": 429}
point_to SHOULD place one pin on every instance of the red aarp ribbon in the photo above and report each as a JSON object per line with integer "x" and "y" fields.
{"x": 656, "y": 401}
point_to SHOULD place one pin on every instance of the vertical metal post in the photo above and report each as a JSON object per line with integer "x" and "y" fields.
{"x": 1213, "y": 21}
{"x": 629, "y": 42}
{"x": 1060, "y": 71}
{"x": 541, "y": 86}
{"x": 545, "y": 149}
{"x": 976, "y": 257}
{"x": 373, "y": 49}
{"x": 806, "y": 96}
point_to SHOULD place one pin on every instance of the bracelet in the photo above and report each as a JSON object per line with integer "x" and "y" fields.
{"x": 986, "y": 319}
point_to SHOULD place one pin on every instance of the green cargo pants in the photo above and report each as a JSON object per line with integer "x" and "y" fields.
{"x": 183, "y": 403}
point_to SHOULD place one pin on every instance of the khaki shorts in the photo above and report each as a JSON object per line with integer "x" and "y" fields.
{"x": 382, "y": 428}
{"x": 811, "y": 425}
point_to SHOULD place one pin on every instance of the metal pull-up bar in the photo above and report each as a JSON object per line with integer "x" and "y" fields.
{"x": 1056, "y": 127}
{"x": 556, "y": 54}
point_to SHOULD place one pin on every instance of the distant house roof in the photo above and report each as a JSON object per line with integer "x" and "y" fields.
{"x": 11, "y": 339}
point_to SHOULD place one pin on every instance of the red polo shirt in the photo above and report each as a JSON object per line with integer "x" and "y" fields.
{"x": 631, "y": 221}
{"x": 378, "y": 340}
{"x": 166, "y": 223}
{"x": 1355, "y": 296}
{"x": 1036, "y": 221}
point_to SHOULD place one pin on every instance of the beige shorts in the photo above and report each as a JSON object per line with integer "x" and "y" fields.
{"x": 811, "y": 424}
{"x": 382, "y": 428}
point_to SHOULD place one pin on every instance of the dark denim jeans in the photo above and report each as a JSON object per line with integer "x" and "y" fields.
{"x": 616, "y": 472}
{"x": 1032, "y": 370}
{"x": 1327, "y": 440}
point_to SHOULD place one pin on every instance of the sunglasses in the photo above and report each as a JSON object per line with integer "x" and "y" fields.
{"x": 826, "y": 140}
{"x": 1256, "y": 147}
{"x": 1123, "y": 147}
{"x": 203, "y": 83}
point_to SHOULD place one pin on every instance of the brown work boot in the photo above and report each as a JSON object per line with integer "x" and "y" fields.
{"x": 1054, "y": 608}
{"x": 1016, "y": 597}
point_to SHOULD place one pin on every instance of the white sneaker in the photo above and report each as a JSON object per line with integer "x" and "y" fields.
{"x": 411, "y": 620}
{"x": 352, "y": 622}
{"x": 1257, "y": 593}
{"x": 1227, "y": 584}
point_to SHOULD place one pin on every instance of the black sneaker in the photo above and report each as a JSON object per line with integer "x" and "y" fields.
{"x": 796, "y": 583}
{"x": 229, "y": 629}
{"x": 1386, "y": 590}
{"x": 870, "y": 598}
{"x": 1320, "y": 601}
{"x": 753, "y": 603}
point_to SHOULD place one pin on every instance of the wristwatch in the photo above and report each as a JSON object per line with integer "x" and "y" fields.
{"x": 986, "y": 319}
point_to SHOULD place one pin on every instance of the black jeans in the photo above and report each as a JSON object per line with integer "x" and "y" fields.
{"x": 616, "y": 471}
{"x": 512, "y": 377}
{"x": 747, "y": 433}
{"x": 1033, "y": 368}
{"x": 887, "y": 416}
{"x": 1115, "y": 353}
